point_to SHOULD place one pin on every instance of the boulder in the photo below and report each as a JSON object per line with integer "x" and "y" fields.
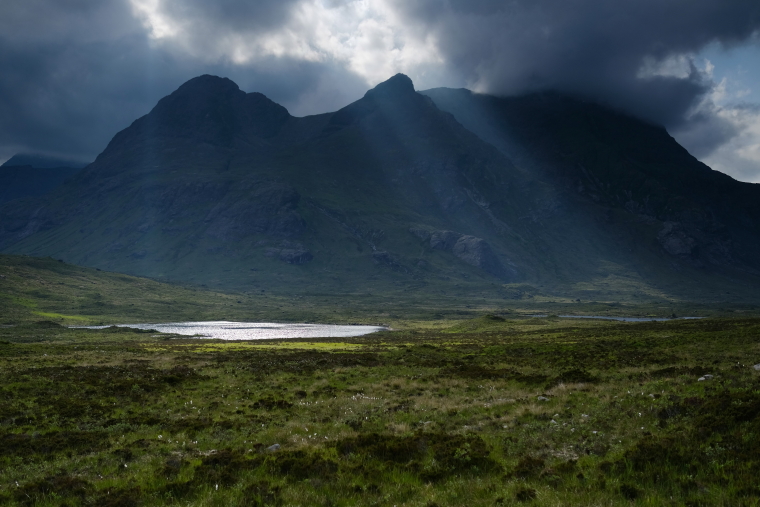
{"x": 477, "y": 252}
{"x": 295, "y": 255}
{"x": 444, "y": 240}
{"x": 676, "y": 241}
{"x": 290, "y": 252}
{"x": 469, "y": 249}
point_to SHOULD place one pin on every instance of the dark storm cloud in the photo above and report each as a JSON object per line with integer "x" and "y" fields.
{"x": 705, "y": 131}
{"x": 593, "y": 47}
{"x": 71, "y": 99}
{"x": 49, "y": 53}
{"x": 75, "y": 72}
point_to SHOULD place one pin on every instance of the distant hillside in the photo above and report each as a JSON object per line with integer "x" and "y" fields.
{"x": 42, "y": 162}
{"x": 35, "y": 289}
{"x": 19, "y": 182}
{"x": 444, "y": 194}
{"x": 25, "y": 175}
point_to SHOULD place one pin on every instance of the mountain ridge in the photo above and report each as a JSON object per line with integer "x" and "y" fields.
{"x": 432, "y": 191}
{"x": 659, "y": 172}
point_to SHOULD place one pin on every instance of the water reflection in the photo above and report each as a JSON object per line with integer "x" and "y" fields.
{"x": 225, "y": 330}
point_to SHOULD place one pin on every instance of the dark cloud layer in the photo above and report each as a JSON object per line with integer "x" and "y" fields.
{"x": 84, "y": 70}
{"x": 592, "y": 47}
{"x": 74, "y": 72}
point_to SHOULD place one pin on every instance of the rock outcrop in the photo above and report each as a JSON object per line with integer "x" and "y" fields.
{"x": 469, "y": 249}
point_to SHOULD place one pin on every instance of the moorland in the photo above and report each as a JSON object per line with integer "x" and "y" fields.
{"x": 468, "y": 225}
{"x": 474, "y": 407}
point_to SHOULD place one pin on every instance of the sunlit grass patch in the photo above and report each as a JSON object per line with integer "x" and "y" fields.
{"x": 60, "y": 316}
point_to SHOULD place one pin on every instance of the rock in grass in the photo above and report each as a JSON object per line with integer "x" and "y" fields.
{"x": 543, "y": 398}
{"x": 273, "y": 448}
{"x": 708, "y": 377}
{"x": 757, "y": 367}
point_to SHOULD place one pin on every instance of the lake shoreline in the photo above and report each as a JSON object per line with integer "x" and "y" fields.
{"x": 228, "y": 330}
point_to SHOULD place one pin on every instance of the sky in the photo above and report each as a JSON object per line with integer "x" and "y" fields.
{"x": 75, "y": 72}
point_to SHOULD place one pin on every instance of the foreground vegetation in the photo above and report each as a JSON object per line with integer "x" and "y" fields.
{"x": 486, "y": 412}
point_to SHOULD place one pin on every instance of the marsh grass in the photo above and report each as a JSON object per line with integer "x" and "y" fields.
{"x": 421, "y": 417}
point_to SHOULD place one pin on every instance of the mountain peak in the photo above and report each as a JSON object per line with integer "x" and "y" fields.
{"x": 206, "y": 109}
{"x": 208, "y": 84}
{"x": 398, "y": 86}
{"x": 399, "y": 190}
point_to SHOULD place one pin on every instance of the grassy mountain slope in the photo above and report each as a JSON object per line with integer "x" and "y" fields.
{"x": 390, "y": 195}
{"x": 45, "y": 289}
{"x": 251, "y": 208}
{"x": 33, "y": 289}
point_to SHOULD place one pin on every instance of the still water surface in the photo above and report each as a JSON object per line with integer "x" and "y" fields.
{"x": 254, "y": 330}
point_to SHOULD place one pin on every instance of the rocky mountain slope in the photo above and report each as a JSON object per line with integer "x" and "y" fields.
{"x": 440, "y": 192}
{"x": 620, "y": 163}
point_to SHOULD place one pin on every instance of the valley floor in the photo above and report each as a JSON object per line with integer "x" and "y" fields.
{"x": 538, "y": 411}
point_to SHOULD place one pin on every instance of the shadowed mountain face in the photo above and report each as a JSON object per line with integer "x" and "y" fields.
{"x": 705, "y": 217}
{"x": 42, "y": 162}
{"x": 32, "y": 176}
{"x": 442, "y": 192}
